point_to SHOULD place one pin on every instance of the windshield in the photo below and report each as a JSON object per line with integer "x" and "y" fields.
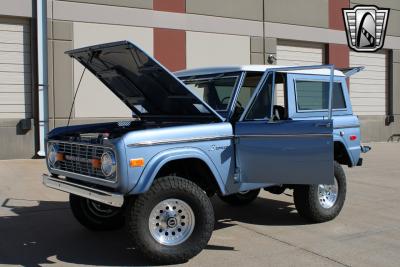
{"x": 216, "y": 90}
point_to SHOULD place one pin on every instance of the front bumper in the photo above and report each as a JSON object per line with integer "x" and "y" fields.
{"x": 109, "y": 198}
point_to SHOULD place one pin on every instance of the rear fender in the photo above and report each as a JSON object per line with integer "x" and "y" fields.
{"x": 159, "y": 160}
{"x": 340, "y": 141}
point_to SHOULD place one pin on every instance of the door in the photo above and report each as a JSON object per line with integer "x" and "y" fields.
{"x": 368, "y": 88}
{"x": 15, "y": 69}
{"x": 282, "y": 151}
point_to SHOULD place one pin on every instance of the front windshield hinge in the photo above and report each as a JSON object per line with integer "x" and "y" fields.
{"x": 236, "y": 175}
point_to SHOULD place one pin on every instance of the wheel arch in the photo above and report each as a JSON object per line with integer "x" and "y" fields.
{"x": 341, "y": 155}
{"x": 167, "y": 160}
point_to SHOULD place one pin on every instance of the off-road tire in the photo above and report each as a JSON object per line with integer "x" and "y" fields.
{"x": 240, "y": 199}
{"x": 307, "y": 202}
{"x": 138, "y": 213}
{"x": 88, "y": 218}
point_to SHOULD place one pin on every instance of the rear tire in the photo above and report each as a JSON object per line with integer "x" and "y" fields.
{"x": 317, "y": 203}
{"x": 94, "y": 215}
{"x": 241, "y": 198}
{"x": 172, "y": 222}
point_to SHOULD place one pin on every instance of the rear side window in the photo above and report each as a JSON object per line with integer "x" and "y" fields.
{"x": 314, "y": 95}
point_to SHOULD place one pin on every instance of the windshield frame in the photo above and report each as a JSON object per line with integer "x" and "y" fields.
{"x": 227, "y": 113}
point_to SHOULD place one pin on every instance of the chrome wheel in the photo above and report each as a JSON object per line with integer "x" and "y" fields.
{"x": 171, "y": 222}
{"x": 327, "y": 195}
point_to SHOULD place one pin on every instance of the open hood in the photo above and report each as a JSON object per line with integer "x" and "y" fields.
{"x": 142, "y": 83}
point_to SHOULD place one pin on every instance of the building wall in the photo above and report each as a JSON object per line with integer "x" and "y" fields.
{"x": 190, "y": 33}
{"x": 17, "y": 77}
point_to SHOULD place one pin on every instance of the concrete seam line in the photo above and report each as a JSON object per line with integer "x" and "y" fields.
{"x": 293, "y": 245}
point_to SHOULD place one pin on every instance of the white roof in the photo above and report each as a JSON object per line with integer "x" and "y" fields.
{"x": 254, "y": 68}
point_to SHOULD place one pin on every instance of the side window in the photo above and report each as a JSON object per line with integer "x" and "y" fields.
{"x": 261, "y": 107}
{"x": 246, "y": 91}
{"x": 313, "y": 95}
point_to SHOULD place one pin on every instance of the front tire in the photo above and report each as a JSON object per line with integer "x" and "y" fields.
{"x": 172, "y": 222}
{"x": 241, "y": 198}
{"x": 94, "y": 215}
{"x": 321, "y": 203}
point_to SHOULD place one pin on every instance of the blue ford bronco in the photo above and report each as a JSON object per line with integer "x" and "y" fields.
{"x": 225, "y": 131}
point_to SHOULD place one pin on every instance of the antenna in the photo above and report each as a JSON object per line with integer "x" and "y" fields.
{"x": 76, "y": 92}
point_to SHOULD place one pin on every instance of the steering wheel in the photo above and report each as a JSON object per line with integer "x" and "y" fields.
{"x": 228, "y": 98}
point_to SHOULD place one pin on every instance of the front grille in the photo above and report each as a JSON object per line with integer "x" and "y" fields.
{"x": 78, "y": 158}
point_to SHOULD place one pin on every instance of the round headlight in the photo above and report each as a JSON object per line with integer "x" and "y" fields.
{"x": 52, "y": 154}
{"x": 108, "y": 163}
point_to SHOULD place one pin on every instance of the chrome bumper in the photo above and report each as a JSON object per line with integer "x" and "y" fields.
{"x": 112, "y": 199}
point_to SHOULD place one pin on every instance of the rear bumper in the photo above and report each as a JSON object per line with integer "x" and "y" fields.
{"x": 364, "y": 149}
{"x": 109, "y": 198}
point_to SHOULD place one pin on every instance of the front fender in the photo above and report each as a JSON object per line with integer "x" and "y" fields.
{"x": 159, "y": 160}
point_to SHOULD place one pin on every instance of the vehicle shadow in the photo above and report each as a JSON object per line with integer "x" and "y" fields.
{"x": 262, "y": 211}
{"x": 47, "y": 232}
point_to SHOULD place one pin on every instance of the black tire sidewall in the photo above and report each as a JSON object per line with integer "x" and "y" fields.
{"x": 337, "y": 207}
{"x": 307, "y": 203}
{"x": 80, "y": 210}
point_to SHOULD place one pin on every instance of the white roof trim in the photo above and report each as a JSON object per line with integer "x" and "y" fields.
{"x": 253, "y": 68}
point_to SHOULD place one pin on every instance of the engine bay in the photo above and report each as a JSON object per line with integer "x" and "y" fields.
{"x": 100, "y": 133}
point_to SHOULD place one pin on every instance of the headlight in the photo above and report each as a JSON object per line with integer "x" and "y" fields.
{"x": 108, "y": 163}
{"x": 52, "y": 154}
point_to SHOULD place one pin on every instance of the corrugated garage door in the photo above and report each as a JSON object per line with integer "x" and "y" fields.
{"x": 298, "y": 53}
{"x": 15, "y": 69}
{"x": 368, "y": 88}
{"x": 291, "y": 53}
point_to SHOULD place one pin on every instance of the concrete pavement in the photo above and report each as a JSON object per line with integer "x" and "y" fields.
{"x": 37, "y": 227}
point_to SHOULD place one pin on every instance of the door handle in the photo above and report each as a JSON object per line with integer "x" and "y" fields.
{"x": 326, "y": 125}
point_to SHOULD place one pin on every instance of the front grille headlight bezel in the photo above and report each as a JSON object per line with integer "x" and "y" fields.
{"x": 52, "y": 151}
{"x": 82, "y": 161}
{"x": 108, "y": 164}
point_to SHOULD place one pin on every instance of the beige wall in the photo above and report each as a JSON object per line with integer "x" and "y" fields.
{"x": 312, "y": 13}
{"x": 249, "y": 9}
{"x": 210, "y": 49}
{"x": 94, "y": 99}
{"x": 148, "y": 4}
{"x": 18, "y": 8}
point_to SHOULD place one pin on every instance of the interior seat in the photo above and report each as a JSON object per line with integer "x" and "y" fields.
{"x": 281, "y": 112}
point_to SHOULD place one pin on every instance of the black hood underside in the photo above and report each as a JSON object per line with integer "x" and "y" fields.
{"x": 142, "y": 83}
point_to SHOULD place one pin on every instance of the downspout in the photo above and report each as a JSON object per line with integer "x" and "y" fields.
{"x": 41, "y": 18}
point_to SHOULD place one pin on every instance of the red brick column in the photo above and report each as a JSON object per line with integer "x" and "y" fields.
{"x": 338, "y": 54}
{"x": 170, "y": 44}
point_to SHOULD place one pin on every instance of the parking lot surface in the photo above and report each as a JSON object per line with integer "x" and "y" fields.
{"x": 37, "y": 227}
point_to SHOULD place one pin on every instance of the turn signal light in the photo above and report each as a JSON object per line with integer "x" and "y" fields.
{"x": 136, "y": 162}
{"x": 353, "y": 137}
{"x": 59, "y": 156}
{"x": 96, "y": 163}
